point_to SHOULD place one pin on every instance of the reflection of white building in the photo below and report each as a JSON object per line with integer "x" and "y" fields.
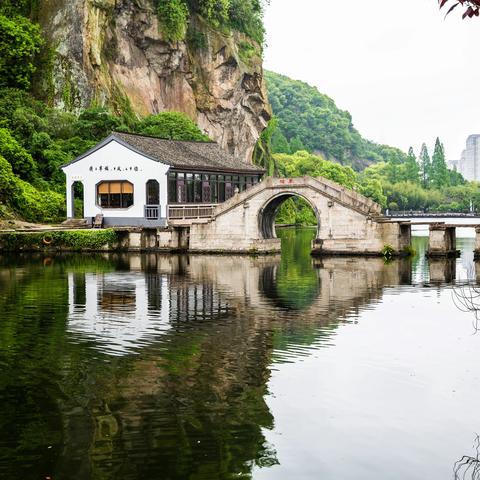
{"x": 120, "y": 312}
{"x": 112, "y": 310}
{"x": 469, "y": 163}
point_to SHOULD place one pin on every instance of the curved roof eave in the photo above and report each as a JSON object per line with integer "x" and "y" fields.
{"x": 106, "y": 141}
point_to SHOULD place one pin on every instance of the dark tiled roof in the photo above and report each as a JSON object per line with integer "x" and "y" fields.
{"x": 186, "y": 155}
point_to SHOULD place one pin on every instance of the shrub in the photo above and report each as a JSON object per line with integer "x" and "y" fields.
{"x": 247, "y": 52}
{"x": 388, "y": 251}
{"x": 21, "y": 161}
{"x": 38, "y": 206}
{"x": 172, "y": 15}
{"x": 8, "y": 182}
{"x": 171, "y": 125}
{"x": 96, "y": 123}
{"x": 66, "y": 240}
{"x": 197, "y": 40}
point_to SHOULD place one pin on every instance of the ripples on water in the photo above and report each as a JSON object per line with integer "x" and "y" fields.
{"x": 204, "y": 367}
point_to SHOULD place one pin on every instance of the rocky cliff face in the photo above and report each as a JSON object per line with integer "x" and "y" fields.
{"x": 112, "y": 52}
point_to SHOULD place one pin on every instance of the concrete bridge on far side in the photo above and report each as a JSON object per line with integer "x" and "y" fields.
{"x": 347, "y": 222}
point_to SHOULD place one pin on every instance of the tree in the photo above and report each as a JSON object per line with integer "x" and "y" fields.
{"x": 173, "y": 15}
{"x": 96, "y": 123}
{"x": 21, "y": 161}
{"x": 20, "y": 42}
{"x": 8, "y": 182}
{"x": 279, "y": 142}
{"x": 372, "y": 188}
{"x": 171, "y": 125}
{"x": 425, "y": 166}
{"x": 411, "y": 167}
{"x": 303, "y": 163}
{"x": 455, "y": 178}
{"x": 439, "y": 170}
{"x": 313, "y": 118}
{"x": 296, "y": 145}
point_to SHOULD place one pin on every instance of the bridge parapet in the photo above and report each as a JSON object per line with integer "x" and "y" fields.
{"x": 327, "y": 188}
{"x": 346, "y": 196}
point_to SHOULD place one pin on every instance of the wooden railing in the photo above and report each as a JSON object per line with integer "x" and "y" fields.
{"x": 152, "y": 212}
{"x": 184, "y": 212}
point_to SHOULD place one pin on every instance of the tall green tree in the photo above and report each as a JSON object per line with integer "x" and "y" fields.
{"x": 425, "y": 166}
{"x": 411, "y": 169}
{"x": 439, "y": 170}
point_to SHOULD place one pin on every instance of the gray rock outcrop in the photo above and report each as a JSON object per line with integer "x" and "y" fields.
{"x": 111, "y": 52}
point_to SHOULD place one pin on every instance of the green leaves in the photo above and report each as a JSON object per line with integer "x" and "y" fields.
{"x": 241, "y": 15}
{"x": 173, "y": 16}
{"x": 303, "y": 163}
{"x": 309, "y": 120}
{"x": 439, "y": 172}
{"x": 425, "y": 166}
{"x": 21, "y": 161}
{"x": 20, "y": 42}
{"x": 170, "y": 125}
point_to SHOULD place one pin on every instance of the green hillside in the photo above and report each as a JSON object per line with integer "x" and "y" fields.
{"x": 309, "y": 120}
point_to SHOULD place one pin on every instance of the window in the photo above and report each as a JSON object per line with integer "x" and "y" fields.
{"x": 172, "y": 187}
{"x": 197, "y": 198}
{"x": 206, "y": 187}
{"x": 190, "y": 188}
{"x": 115, "y": 194}
{"x": 153, "y": 192}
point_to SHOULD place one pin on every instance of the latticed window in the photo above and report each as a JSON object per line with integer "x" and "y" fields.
{"x": 115, "y": 194}
{"x": 186, "y": 187}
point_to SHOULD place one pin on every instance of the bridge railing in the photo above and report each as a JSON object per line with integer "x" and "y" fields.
{"x": 346, "y": 196}
{"x": 189, "y": 212}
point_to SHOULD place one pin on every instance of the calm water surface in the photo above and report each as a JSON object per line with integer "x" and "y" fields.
{"x": 208, "y": 367}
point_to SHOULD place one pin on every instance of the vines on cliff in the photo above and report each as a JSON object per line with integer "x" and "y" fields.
{"x": 241, "y": 15}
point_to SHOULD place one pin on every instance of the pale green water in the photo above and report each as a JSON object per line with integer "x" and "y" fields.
{"x": 219, "y": 367}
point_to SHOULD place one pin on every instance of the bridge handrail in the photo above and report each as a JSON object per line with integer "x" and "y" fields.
{"x": 348, "y": 197}
{"x": 330, "y": 189}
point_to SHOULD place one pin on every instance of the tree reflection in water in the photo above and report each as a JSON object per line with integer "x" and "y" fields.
{"x": 152, "y": 366}
{"x": 186, "y": 404}
{"x": 293, "y": 284}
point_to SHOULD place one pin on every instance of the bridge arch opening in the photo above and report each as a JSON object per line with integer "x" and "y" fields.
{"x": 287, "y": 207}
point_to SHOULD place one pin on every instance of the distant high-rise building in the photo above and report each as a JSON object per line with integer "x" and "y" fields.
{"x": 453, "y": 165}
{"x": 469, "y": 163}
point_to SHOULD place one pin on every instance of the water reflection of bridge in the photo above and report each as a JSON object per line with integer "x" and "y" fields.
{"x": 206, "y": 329}
{"x": 152, "y": 294}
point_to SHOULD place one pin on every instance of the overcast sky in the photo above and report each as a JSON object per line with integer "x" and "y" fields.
{"x": 404, "y": 72}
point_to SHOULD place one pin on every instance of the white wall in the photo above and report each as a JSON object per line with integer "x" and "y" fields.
{"x": 123, "y": 164}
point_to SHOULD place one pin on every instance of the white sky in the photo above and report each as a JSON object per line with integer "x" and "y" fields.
{"x": 404, "y": 72}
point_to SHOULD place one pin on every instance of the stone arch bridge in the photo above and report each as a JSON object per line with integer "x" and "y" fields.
{"x": 347, "y": 222}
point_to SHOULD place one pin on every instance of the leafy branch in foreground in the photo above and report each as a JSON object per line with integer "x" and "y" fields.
{"x": 472, "y": 7}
